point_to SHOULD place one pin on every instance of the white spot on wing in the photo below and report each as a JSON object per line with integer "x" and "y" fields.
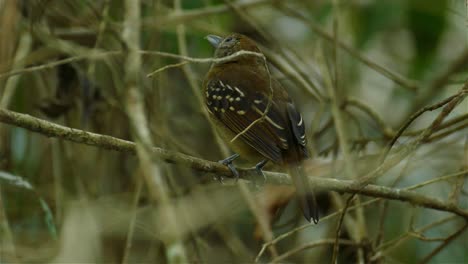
{"x": 239, "y": 91}
{"x": 300, "y": 122}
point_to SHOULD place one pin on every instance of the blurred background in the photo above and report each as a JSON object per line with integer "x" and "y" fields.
{"x": 376, "y": 61}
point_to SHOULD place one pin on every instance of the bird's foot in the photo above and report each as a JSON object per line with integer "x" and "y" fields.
{"x": 228, "y": 162}
{"x": 259, "y": 169}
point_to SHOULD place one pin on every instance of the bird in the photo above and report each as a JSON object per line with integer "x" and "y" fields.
{"x": 255, "y": 115}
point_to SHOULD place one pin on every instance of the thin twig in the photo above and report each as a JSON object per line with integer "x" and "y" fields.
{"x": 414, "y": 117}
{"x": 386, "y": 131}
{"x": 132, "y": 224}
{"x": 339, "y": 212}
{"x": 447, "y": 241}
{"x": 446, "y": 133}
{"x": 267, "y": 108}
{"x": 166, "y": 67}
{"x": 441, "y": 80}
{"x": 322, "y": 242}
{"x": 392, "y": 244}
{"x": 175, "y": 18}
{"x": 334, "y": 91}
{"x": 260, "y": 216}
{"x": 395, "y": 77}
{"x": 336, "y": 245}
{"x": 96, "y": 54}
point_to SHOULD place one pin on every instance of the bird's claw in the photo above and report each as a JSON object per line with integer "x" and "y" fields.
{"x": 258, "y": 169}
{"x": 228, "y": 162}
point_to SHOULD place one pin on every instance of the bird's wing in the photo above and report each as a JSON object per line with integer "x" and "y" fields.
{"x": 237, "y": 103}
{"x": 298, "y": 127}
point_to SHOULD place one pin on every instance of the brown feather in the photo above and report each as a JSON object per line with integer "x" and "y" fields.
{"x": 237, "y": 94}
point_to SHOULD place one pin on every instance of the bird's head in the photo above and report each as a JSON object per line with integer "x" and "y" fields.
{"x": 231, "y": 44}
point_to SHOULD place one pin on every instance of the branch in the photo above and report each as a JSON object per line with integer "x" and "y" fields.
{"x": 50, "y": 129}
{"x": 176, "y": 18}
{"x": 96, "y": 55}
{"x": 395, "y": 77}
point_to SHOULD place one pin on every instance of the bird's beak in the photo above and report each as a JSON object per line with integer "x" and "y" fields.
{"x": 214, "y": 40}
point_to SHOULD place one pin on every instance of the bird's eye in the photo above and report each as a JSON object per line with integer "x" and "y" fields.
{"x": 229, "y": 39}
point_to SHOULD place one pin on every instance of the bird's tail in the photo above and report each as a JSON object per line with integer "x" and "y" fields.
{"x": 304, "y": 193}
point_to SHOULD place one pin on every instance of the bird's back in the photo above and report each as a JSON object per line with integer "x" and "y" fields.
{"x": 238, "y": 95}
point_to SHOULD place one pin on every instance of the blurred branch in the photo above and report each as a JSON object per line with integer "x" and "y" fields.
{"x": 385, "y": 248}
{"x": 24, "y": 47}
{"x": 353, "y": 207}
{"x": 334, "y": 91}
{"x": 444, "y": 244}
{"x": 321, "y": 184}
{"x": 395, "y": 77}
{"x": 169, "y": 66}
{"x": 155, "y": 181}
{"x": 386, "y": 130}
{"x": 134, "y": 102}
{"x": 92, "y": 55}
{"x": 96, "y": 54}
{"x": 441, "y": 80}
{"x": 450, "y": 103}
{"x": 455, "y": 124}
{"x": 322, "y": 242}
{"x": 192, "y": 80}
{"x": 189, "y": 15}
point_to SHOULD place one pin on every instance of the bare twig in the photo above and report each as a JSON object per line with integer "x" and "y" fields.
{"x": 169, "y": 66}
{"x": 414, "y": 117}
{"x": 260, "y": 216}
{"x": 96, "y": 54}
{"x": 132, "y": 225}
{"x": 336, "y": 245}
{"x": 322, "y": 242}
{"x": 156, "y": 183}
{"x": 395, "y": 77}
{"x": 333, "y": 91}
{"x": 447, "y": 241}
{"x": 442, "y": 79}
{"x": 175, "y": 18}
{"x": 267, "y": 108}
{"x": 339, "y": 212}
{"x": 390, "y": 245}
{"x": 386, "y": 131}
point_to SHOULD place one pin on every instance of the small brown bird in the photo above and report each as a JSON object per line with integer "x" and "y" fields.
{"x": 237, "y": 94}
